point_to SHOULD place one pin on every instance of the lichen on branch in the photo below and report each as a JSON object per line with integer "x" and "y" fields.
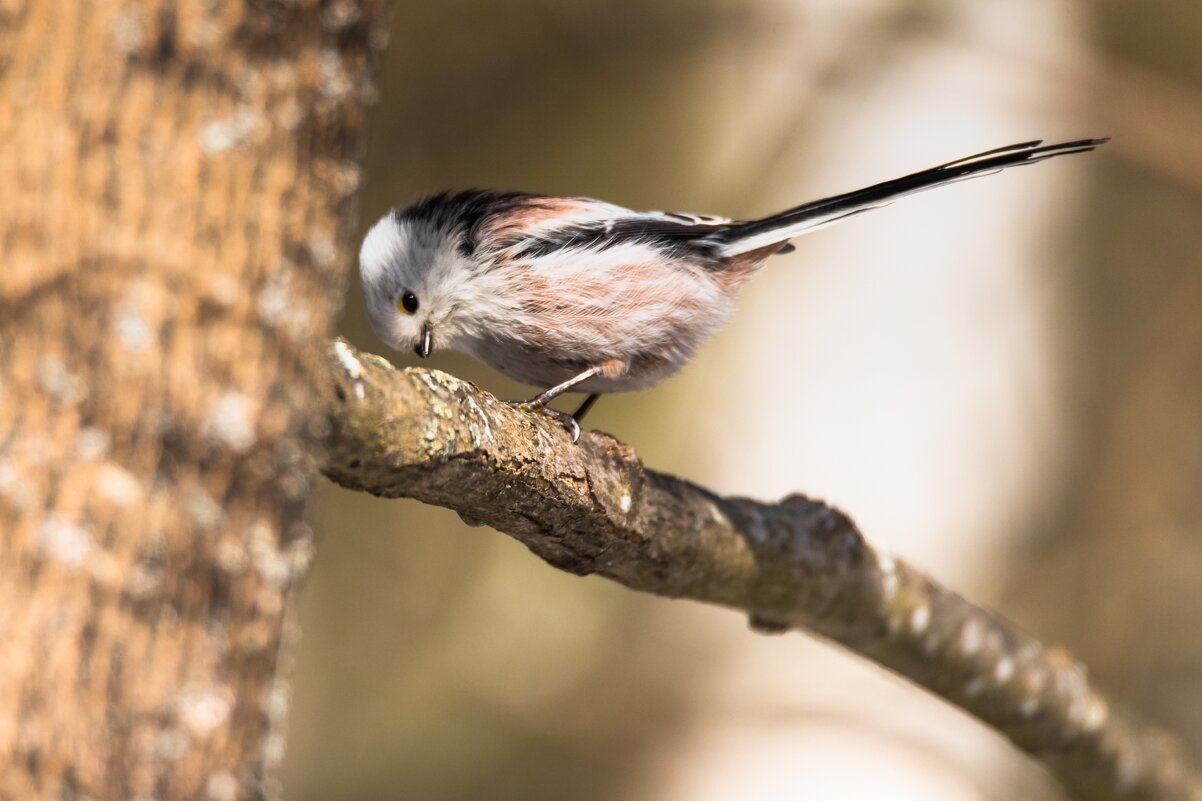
{"x": 798, "y": 564}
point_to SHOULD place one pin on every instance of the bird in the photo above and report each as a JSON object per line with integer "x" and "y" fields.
{"x": 576, "y": 294}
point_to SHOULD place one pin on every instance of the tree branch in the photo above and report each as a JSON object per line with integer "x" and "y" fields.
{"x": 798, "y": 564}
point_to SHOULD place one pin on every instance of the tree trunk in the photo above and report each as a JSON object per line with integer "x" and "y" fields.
{"x": 177, "y": 184}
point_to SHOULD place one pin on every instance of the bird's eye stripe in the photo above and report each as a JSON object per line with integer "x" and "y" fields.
{"x": 407, "y": 303}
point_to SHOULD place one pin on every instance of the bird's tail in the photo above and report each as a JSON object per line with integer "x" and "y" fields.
{"x": 756, "y": 234}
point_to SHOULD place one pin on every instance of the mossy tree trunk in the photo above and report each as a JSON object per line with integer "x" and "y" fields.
{"x": 177, "y": 186}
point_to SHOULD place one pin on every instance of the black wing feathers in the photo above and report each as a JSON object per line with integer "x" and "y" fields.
{"x": 668, "y": 234}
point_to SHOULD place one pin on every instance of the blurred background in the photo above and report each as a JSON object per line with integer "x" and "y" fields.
{"x": 1001, "y": 381}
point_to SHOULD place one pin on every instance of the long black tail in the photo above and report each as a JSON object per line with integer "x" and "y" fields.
{"x": 748, "y": 236}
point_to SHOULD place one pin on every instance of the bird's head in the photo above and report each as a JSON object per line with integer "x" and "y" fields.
{"x": 411, "y": 272}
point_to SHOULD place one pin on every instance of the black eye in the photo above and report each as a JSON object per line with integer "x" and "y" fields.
{"x": 408, "y": 303}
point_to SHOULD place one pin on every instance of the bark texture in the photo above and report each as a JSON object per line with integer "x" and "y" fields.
{"x": 798, "y": 564}
{"x": 177, "y": 184}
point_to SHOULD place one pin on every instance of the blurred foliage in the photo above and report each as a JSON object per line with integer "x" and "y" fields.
{"x": 442, "y": 662}
{"x": 1114, "y": 565}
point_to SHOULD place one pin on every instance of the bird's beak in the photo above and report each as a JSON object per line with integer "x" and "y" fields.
{"x": 425, "y": 344}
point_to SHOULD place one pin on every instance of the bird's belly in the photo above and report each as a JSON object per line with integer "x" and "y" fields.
{"x": 545, "y": 369}
{"x": 649, "y": 318}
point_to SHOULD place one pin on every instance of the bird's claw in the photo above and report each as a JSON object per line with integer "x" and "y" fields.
{"x": 567, "y": 420}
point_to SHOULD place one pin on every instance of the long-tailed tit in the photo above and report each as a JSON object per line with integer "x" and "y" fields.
{"x": 577, "y": 294}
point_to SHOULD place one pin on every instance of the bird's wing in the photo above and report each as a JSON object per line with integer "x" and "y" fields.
{"x": 602, "y": 226}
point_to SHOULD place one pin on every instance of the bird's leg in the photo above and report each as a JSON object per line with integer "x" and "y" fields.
{"x": 543, "y": 398}
{"x": 570, "y": 421}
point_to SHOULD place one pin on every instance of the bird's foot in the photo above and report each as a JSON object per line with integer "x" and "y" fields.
{"x": 565, "y": 419}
